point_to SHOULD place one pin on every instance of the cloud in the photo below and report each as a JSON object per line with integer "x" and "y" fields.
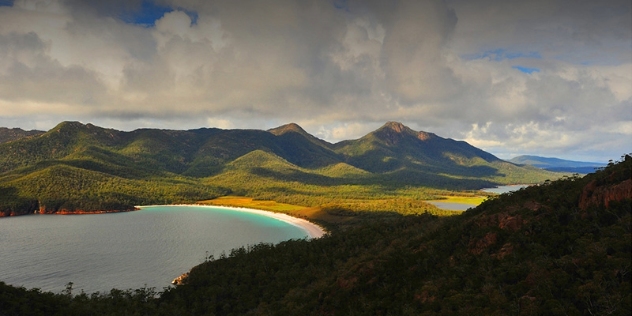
{"x": 29, "y": 74}
{"x": 539, "y": 77}
{"x": 576, "y": 31}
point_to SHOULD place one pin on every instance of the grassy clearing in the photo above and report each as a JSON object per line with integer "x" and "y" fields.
{"x": 469, "y": 200}
{"x": 338, "y": 212}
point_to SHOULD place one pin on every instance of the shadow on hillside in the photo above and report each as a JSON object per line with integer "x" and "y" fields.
{"x": 11, "y": 203}
{"x": 406, "y": 178}
{"x": 393, "y": 180}
{"x": 128, "y": 172}
{"x": 340, "y": 218}
{"x": 293, "y": 175}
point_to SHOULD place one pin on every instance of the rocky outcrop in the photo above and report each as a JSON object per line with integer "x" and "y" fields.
{"x": 477, "y": 246}
{"x": 7, "y": 213}
{"x": 595, "y": 195}
{"x": 507, "y": 222}
{"x": 181, "y": 279}
{"x": 504, "y": 251}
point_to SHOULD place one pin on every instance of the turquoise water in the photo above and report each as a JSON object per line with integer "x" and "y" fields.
{"x": 126, "y": 250}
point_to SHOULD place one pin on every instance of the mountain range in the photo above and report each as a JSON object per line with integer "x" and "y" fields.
{"x": 556, "y": 164}
{"x": 83, "y": 166}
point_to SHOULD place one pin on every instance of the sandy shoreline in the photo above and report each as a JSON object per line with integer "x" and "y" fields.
{"x": 312, "y": 230}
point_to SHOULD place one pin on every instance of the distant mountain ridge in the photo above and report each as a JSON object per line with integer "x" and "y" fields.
{"x": 168, "y": 166}
{"x": 556, "y": 164}
{"x": 395, "y": 146}
{"x": 11, "y": 134}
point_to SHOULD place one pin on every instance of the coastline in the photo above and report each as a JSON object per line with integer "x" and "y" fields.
{"x": 313, "y": 230}
{"x": 500, "y": 189}
{"x": 64, "y": 212}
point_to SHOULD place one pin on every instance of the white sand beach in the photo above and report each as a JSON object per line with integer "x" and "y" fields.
{"x": 312, "y": 230}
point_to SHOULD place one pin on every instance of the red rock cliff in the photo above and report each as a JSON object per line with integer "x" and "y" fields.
{"x": 594, "y": 195}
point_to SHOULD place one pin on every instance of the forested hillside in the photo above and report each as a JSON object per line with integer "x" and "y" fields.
{"x": 562, "y": 248}
{"x": 78, "y": 167}
{"x": 11, "y": 134}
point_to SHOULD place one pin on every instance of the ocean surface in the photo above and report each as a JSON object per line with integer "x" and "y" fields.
{"x": 505, "y": 188}
{"x": 451, "y": 206}
{"x": 148, "y": 248}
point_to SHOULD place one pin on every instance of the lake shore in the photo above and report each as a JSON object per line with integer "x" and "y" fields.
{"x": 313, "y": 230}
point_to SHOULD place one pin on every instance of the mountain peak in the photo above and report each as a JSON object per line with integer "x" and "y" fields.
{"x": 68, "y": 127}
{"x": 399, "y": 128}
{"x": 291, "y": 127}
{"x": 396, "y": 127}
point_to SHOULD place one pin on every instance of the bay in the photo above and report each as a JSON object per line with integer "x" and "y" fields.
{"x": 126, "y": 250}
{"x": 451, "y": 206}
{"x": 505, "y": 188}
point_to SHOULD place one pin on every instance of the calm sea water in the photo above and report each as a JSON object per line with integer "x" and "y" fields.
{"x": 125, "y": 250}
{"x": 505, "y": 188}
{"x": 450, "y": 206}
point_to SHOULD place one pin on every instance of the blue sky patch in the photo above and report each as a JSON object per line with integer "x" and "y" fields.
{"x": 500, "y": 54}
{"x": 6, "y": 3}
{"x": 150, "y": 12}
{"x": 192, "y": 15}
{"x": 527, "y": 70}
{"x": 147, "y": 15}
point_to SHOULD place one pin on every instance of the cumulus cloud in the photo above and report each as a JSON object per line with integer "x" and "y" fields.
{"x": 27, "y": 73}
{"x": 534, "y": 77}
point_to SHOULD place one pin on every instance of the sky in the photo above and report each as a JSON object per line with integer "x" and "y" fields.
{"x": 551, "y": 78}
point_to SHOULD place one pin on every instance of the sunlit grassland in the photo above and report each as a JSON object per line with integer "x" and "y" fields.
{"x": 333, "y": 202}
{"x": 469, "y": 200}
{"x": 344, "y": 210}
{"x": 316, "y": 214}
